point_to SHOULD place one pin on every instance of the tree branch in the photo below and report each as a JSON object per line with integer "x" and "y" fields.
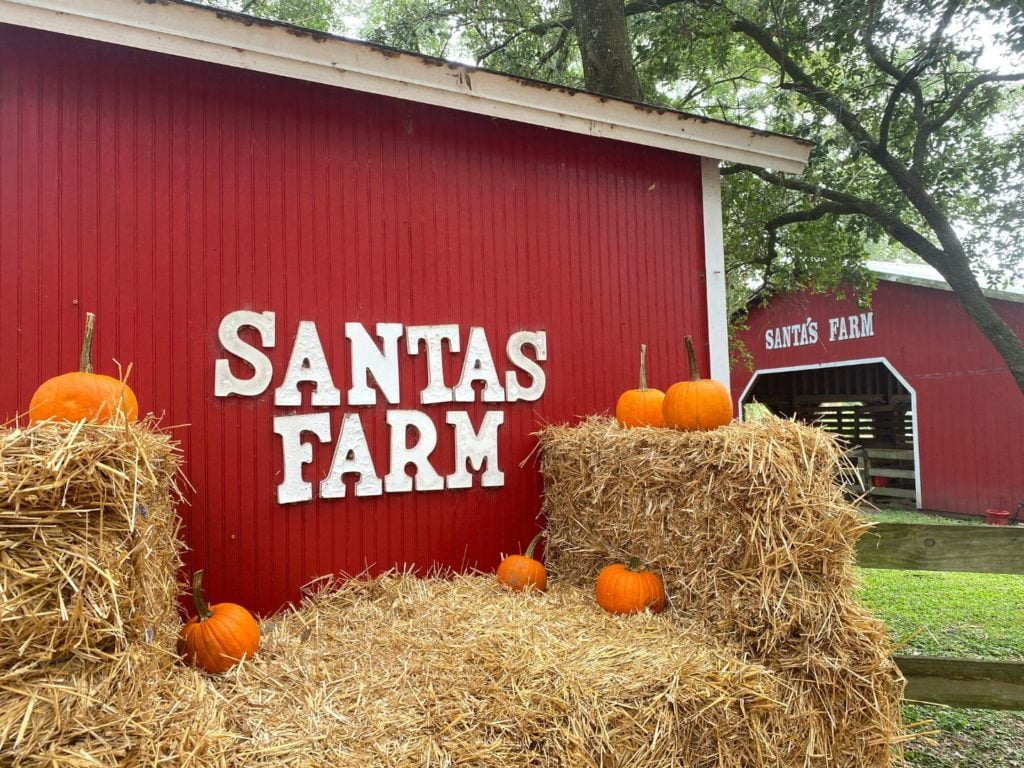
{"x": 698, "y": 90}
{"x": 811, "y": 214}
{"x": 898, "y": 229}
{"x": 502, "y": 45}
{"x": 883, "y": 62}
{"x": 804, "y": 83}
{"x": 632, "y": 9}
{"x": 929, "y": 127}
{"x": 909, "y": 78}
{"x": 794, "y": 217}
{"x": 940, "y": 30}
{"x": 972, "y": 85}
{"x": 908, "y": 81}
{"x": 563, "y": 37}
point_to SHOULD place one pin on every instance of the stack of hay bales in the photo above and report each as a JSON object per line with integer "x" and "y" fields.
{"x": 753, "y": 536}
{"x": 89, "y": 556}
{"x": 763, "y": 660}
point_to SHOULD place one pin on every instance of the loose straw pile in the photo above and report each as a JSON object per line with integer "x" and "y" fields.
{"x": 753, "y": 537}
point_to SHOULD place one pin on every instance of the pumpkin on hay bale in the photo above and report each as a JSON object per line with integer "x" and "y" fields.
{"x": 698, "y": 403}
{"x": 519, "y": 572}
{"x": 641, "y": 407}
{"x": 218, "y": 636}
{"x": 83, "y": 394}
{"x": 622, "y": 588}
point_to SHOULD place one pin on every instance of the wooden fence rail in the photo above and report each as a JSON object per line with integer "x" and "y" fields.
{"x": 978, "y": 683}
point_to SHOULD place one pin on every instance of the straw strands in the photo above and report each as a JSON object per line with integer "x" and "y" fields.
{"x": 456, "y": 670}
{"x": 88, "y": 565}
{"x": 88, "y": 541}
{"x": 753, "y": 536}
{"x": 404, "y": 671}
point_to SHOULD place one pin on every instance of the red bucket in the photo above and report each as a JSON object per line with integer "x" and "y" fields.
{"x": 996, "y": 516}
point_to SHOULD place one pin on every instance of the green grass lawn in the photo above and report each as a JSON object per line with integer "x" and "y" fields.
{"x": 954, "y": 614}
{"x": 950, "y": 614}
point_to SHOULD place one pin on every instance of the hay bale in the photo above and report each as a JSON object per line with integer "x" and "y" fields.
{"x": 745, "y": 523}
{"x": 89, "y": 559}
{"x": 89, "y": 550}
{"x": 753, "y": 536}
{"x": 404, "y": 671}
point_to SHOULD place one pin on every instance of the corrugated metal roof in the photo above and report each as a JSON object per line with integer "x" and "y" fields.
{"x": 209, "y": 34}
{"x": 928, "y": 277}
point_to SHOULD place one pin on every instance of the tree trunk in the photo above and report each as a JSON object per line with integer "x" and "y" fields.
{"x": 605, "y": 49}
{"x": 979, "y": 309}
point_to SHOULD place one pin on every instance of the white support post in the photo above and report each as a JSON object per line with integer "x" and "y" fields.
{"x": 714, "y": 268}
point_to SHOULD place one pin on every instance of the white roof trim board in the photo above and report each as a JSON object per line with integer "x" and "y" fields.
{"x": 925, "y": 276}
{"x": 207, "y": 34}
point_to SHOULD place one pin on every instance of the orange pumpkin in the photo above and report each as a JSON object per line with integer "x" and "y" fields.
{"x": 629, "y": 589}
{"x": 220, "y": 635}
{"x": 83, "y": 394}
{"x": 697, "y": 403}
{"x": 641, "y": 407}
{"x": 521, "y": 572}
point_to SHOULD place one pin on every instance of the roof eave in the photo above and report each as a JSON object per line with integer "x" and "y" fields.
{"x": 942, "y": 285}
{"x": 201, "y": 33}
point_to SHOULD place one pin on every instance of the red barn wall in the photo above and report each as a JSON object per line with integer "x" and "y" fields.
{"x": 970, "y": 413}
{"x": 163, "y": 193}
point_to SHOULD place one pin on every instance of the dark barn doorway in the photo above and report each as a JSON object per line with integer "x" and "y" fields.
{"x": 864, "y": 403}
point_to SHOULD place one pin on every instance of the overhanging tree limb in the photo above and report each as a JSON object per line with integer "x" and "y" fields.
{"x": 902, "y": 162}
{"x": 889, "y": 221}
{"x": 955, "y": 270}
{"x": 929, "y": 127}
{"x": 811, "y": 214}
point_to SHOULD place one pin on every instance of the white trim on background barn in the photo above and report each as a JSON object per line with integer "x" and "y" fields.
{"x": 924, "y": 276}
{"x": 714, "y": 270}
{"x": 212, "y": 35}
{"x": 840, "y": 364}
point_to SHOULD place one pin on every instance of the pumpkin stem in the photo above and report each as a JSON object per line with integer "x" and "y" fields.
{"x": 202, "y": 609}
{"x": 634, "y": 564}
{"x": 691, "y": 359}
{"x": 85, "y": 360}
{"x": 643, "y": 368}
{"x": 529, "y": 549}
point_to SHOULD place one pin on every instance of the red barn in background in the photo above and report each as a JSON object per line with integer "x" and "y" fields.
{"x": 910, "y": 379}
{"x": 361, "y": 278}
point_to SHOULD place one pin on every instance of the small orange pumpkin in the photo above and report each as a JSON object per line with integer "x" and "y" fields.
{"x": 220, "y": 635}
{"x": 519, "y": 572}
{"x": 629, "y": 589}
{"x": 641, "y": 407}
{"x": 83, "y": 394}
{"x": 697, "y": 403}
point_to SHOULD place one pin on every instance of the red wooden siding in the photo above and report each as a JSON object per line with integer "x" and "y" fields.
{"x": 970, "y": 414}
{"x": 164, "y": 193}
